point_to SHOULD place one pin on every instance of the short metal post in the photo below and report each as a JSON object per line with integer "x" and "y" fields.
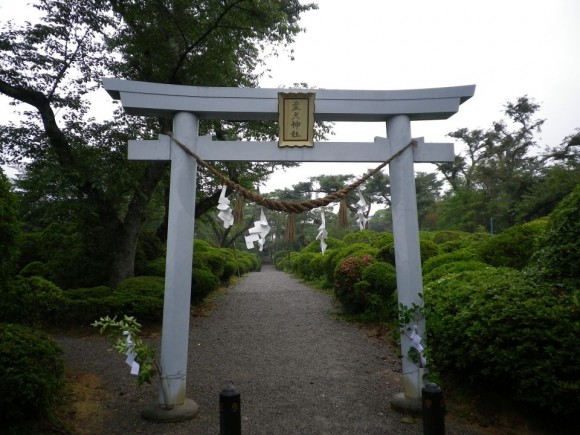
{"x": 433, "y": 409}
{"x": 230, "y": 413}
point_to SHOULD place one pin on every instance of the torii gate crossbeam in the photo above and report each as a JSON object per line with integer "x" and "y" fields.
{"x": 189, "y": 104}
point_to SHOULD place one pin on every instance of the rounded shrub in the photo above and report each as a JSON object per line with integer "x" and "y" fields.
{"x": 494, "y": 326}
{"x": 31, "y": 374}
{"x": 155, "y": 267}
{"x": 301, "y": 264}
{"x": 382, "y": 240}
{"x": 83, "y": 306}
{"x": 382, "y": 278}
{"x": 143, "y": 286}
{"x": 314, "y": 246}
{"x": 427, "y": 248}
{"x": 279, "y": 256}
{"x": 451, "y": 257}
{"x": 230, "y": 269}
{"x": 203, "y": 282}
{"x": 36, "y": 268}
{"x": 347, "y": 274}
{"x": 559, "y": 258}
{"x": 513, "y": 247}
{"x": 31, "y": 301}
{"x": 149, "y": 247}
{"x": 28, "y": 246}
{"x": 212, "y": 259}
{"x": 363, "y": 236}
{"x": 453, "y": 267}
{"x": 141, "y": 297}
{"x": 445, "y": 236}
{"x": 333, "y": 257}
{"x": 201, "y": 246}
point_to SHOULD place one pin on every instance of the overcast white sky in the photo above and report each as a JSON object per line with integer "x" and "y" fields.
{"x": 507, "y": 48}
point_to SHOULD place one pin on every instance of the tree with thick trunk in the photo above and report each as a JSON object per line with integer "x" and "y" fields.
{"x": 55, "y": 65}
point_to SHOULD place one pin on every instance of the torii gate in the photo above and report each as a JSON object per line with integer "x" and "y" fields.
{"x": 189, "y": 104}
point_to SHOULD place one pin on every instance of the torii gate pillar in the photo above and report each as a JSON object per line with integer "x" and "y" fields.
{"x": 173, "y": 405}
{"x": 407, "y": 252}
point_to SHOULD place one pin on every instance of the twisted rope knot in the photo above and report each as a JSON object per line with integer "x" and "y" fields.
{"x": 290, "y": 206}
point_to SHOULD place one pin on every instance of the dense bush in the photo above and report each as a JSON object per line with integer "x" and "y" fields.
{"x": 74, "y": 257}
{"x": 377, "y": 286}
{"x": 331, "y": 243}
{"x": 30, "y": 301}
{"x": 142, "y": 286}
{"x": 334, "y": 256}
{"x": 363, "y": 236}
{"x": 203, "y": 282}
{"x": 514, "y": 246}
{"x": 495, "y": 327}
{"x": 211, "y": 259}
{"x": 230, "y": 269}
{"x": 36, "y": 268}
{"x": 9, "y": 229}
{"x": 278, "y": 256}
{"x": 559, "y": 258}
{"x": 83, "y": 306}
{"x": 447, "y": 269}
{"x": 347, "y": 274}
{"x": 29, "y": 248}
{"x": 445, "y": 236}
{"x": 382, "y": 240}
{"x": 31, "y": 375}
{"x": 155, "y": 267}
{"x": 438, "y": 260}
{"x": 140, "y": 296}
{"x": 201, "y": 246}
{"x": 149, "y": 248}
{"x": 382, "y": 278}
{"x": 427, "y": 248}
{"x": 301, "y": 264}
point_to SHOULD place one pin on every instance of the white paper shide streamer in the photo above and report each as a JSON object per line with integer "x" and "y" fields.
{"x": 258, "y": 233}
{"x": 225, "y": 213}
{"x": 361, "y": 205}
{"x": 131, "y": 355}
{"x": 416, "y": 344}
{"x": 322, "y": 233}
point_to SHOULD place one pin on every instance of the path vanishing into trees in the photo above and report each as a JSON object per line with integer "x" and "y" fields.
{"x": 299, "y": 369}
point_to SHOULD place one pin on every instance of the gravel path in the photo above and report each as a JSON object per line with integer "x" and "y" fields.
{"x": 299, "y": 370}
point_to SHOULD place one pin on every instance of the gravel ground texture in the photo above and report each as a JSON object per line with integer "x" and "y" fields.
{"x": 298, "y": 368}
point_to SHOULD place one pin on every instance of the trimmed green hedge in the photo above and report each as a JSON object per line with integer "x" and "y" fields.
{"x": 496, "y": 327}
{"x": 32, "y": 301}
{"x": 347, "y": 274}
{"x": 203, "y": 282}
{"x": 513, "y": 247}
{"x": 558, "y": 260}
{"x": 31, "y": 376}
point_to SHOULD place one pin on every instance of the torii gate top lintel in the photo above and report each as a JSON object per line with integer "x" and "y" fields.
{"x": 248, "y": 104}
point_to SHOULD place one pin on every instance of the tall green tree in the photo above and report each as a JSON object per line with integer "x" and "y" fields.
{"x": 52, "y": 67}
{"x": 9, "y": 229}
{"x": 496, "y": 169}
{"x": 558, "y": 178}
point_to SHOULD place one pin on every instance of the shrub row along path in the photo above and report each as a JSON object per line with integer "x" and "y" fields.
{"x": 299, "y": 370}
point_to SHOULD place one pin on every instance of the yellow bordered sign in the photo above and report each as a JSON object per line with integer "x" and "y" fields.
{"x": 296, "y": 119}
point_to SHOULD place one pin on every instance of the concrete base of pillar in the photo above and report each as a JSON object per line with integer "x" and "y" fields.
{"x": 155, "y": 412}
{"x": 406, "y": 405}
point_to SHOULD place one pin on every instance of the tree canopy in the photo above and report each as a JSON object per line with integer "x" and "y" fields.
{"x": 73, "y": 164}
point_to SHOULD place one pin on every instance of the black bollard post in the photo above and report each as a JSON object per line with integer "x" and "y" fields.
{"x": 433, "y": 409}
{"x": 230, "y": 413}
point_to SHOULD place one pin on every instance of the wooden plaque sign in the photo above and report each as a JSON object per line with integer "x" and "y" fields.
{"x": 296, "y": 119}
